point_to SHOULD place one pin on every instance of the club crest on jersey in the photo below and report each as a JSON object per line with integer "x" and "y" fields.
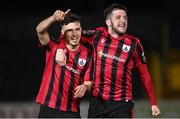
{"x": 102, "y": 40}
{"x": 81, "y": 62}
{"x": 126, "y": 48}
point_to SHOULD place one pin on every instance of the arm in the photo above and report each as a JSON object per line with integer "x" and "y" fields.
{"x": 43, "y": 26}
{"x": 141, "y": 64}
{"x": 92, "y": 33}
{"x": 146, "y": 79}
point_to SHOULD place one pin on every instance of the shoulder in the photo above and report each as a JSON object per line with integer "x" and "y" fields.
{"x": 133, "y": 40}
{"x": 86, "y": 50}
{"x": 85, "y": 47}
{"x": 102, "y": 30}
{"x": 131, "y": 37}
{"x": 85, "y": 39}
{"x": 86, "y": 43}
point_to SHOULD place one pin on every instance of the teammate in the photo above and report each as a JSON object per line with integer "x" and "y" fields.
{"x": 116, "y": 54}
{"x": 62, "y": 87}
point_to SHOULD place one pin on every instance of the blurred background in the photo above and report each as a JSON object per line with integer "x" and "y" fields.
{"x": 155, "y": 22}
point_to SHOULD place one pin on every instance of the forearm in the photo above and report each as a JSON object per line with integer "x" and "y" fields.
{"x": 42, "y": 30}
{"x": 150, "y": 90}
{"x": 146, "y": 79}
{"x": 44, "y": 25}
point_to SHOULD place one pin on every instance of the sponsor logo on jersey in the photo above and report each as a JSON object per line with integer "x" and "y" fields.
{"x": 101, "y": 54}
{"x": 72, "y": 69}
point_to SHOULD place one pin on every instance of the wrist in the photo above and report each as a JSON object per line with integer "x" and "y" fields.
{"x": 154, "y": 106}
{"x": 85, "y": 85}
{"x": 53, "y": 19}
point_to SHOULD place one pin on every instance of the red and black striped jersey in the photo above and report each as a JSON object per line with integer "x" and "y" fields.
{"x": 58, "y": 83}
{"x": 115, "y": 58}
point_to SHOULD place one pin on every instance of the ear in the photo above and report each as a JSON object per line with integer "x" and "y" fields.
{"x": 62, "y": 31}
{"x": 108, "y": 23}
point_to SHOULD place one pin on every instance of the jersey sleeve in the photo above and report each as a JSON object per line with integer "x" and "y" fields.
{"x": 141, "y": 65}
{"x": 88, "y": 76}
{"x": 147, "y": 82}
{"x": 52, "y": 43}
{"x": 139, "y": 55}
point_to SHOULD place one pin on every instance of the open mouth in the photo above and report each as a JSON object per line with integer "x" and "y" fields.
{"x": 122, "y": 25}
{"x": 74, "y": 40}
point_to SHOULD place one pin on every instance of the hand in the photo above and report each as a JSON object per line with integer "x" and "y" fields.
{"x": 59, "y": 15}
{"x": 60, "y": 57}
{"x": 80, "y": 91}
{"x": 155, "y": 110}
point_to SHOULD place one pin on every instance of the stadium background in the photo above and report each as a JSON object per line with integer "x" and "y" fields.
{"x": 155, "y": 22}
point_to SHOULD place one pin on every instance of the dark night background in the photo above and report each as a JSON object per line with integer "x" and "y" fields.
{"x": 155, "y": 22}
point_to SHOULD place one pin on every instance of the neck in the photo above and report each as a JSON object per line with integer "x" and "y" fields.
{"x": 72, "y": 47}
{"x": 114, "y": 34}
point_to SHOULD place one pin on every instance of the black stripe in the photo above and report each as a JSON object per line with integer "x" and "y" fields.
{"x": 92, "y": 70}
{"x": 123, "y": 89}
{"x": 71, "y": 88}
{"x": 60, "y": 91}
{"x": 50, "y": 88}
{"x": 140, "y": 51}
{"x": 103, "y": 62}
{"x": 96, "y": 42}
{"x": 87, "y": 45}
{"x": 88, "y": 59}
{"x": 114, "y": 69}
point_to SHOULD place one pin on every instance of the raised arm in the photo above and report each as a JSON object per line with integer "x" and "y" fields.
{"x": 43, "y": 26}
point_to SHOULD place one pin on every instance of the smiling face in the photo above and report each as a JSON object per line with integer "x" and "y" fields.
{"x": 72, "y": 32}
{"x": 117, "y": 22}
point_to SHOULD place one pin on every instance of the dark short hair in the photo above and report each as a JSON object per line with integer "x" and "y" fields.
{"x": 112, "y": 7}
{"x": 69, "y": 18}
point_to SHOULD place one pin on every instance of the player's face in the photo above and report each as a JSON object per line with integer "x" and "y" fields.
{"x": 72, "y": 32}
{"x": 118, "y": 21}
